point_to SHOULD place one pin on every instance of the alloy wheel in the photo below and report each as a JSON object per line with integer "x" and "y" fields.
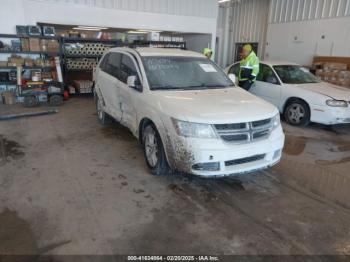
{"x": 296, "y": 113}
{"x": 151, "y": 147}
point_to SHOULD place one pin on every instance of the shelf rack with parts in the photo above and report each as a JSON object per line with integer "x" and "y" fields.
{"x": 43, "y": 54}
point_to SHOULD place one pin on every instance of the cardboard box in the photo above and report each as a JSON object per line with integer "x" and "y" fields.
{"x": 28, "y": 62}
{"x": 34, "y": 44}
{"x": 52, "y": 46}
{"x": 49, "y": 45}
{"x": 3, "y": 63}
{"x": 9, "y": 98}
{"x": 335, "y": 66}
{"x": 16, "y": 61}
{"x": 25, "y": 44}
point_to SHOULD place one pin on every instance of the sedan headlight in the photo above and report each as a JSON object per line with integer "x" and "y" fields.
{"x": 337, "y": 103}
{"x": 188, "y": 129}
{"x": 276, "y": 121}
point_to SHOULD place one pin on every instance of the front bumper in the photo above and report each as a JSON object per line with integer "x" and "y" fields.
{"x": 330, "y": 115}
{"x": 214, "y": 157}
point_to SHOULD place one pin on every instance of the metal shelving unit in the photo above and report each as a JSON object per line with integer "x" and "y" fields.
{"x": 38, "y": 53}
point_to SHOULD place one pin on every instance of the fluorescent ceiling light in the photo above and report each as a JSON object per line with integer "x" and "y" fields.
{"x": 137, "y": 32}
{"x": 223, "y": 1}
{"x": 86, "y": 29}
{"x": 83, "y": 27}
{"x": 149, "y": 31}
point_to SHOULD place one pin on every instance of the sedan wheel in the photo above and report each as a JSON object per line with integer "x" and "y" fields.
{"x": 297, "y": 113}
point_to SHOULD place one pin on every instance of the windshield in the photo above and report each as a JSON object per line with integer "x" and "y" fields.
{"x": 293, "y": 74}
{"x": 188, "y": 73}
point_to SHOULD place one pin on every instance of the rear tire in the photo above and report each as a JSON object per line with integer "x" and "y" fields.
{"x": 103, "y": 117}
{"x": 154, "y": 151}
{"x": 297, "y": 113}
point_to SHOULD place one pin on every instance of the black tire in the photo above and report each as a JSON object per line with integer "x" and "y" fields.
{"x": 56, "y": 100}
{"x": 103, "y": 117}
{"x": 31, "y": 101}
{"x": 297, "y": 113}
{"x": 160, "y": 166}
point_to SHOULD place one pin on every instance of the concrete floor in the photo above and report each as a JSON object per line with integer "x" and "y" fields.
{"x": 70, "y": 186}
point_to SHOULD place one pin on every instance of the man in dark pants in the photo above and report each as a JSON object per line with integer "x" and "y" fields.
{"x": 249, "y": 67}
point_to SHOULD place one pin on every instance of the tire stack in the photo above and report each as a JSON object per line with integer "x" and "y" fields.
{"x": 81, "y": 63}
{"x": 87, "y": 55}
{"x": 87, "y": 49}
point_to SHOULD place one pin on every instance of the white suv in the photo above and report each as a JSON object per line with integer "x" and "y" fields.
{"x": 186, "y": 112}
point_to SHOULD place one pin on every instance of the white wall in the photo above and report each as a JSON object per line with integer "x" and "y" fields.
{"x": 16, "y": 12}
{"x": 241, "y": 21}
{"x": 283, "y": 46}
{"x": 197, "y": 42}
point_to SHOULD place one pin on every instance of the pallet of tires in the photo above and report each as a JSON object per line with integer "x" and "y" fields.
{"x": 83, "y": 86}
{"x": 87, "y": 49}
{"x": 81, "y": 64}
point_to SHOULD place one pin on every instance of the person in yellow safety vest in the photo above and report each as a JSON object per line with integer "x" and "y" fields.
{"x": 208, "y": 52}
{"x": 249, "y": 67}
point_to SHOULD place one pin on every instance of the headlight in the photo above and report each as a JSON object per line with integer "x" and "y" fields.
{"x": 276, "y": 121}
{"x": 188, "y": 129}
{"x": 337, "y": 103}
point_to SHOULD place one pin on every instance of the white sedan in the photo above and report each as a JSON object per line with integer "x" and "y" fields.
{"x": 299, "y": 95}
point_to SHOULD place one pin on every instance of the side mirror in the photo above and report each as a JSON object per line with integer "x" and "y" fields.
{"x": 232, "y": 77}
{"x": 133, "y": 81}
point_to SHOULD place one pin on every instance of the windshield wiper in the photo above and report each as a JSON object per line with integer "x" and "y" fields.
{"x": 165, "y": 87}
{"x": 207, "y": 86}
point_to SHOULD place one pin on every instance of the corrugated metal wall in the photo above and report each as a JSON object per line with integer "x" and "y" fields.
{"x": 282, "y": 11}
{"x": 241, "y": 21}
{"x": 199, "y": 8}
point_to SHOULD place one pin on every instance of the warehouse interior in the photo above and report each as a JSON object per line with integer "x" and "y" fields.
{"x": 174, "y": 130}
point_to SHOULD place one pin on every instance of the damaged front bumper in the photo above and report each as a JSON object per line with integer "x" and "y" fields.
{"x": 214, "y": 157}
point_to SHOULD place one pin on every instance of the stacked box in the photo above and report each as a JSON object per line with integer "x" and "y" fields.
{"x": 83, "y": 86}
{"x": 15, "y": 61}
{"x": 34, "y": 44}
{"x": 28, "y": 62}
{"x": 335, "y": 73}
{"x": 25, "y": 44}
{"x": 8, "y": 98}
{"x": 53, "y": 46}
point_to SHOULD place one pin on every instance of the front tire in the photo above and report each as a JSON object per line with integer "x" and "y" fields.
{"x": 103, "y": 117}
{"x": 297, "y": 113}
{"x": 154, "y": 151}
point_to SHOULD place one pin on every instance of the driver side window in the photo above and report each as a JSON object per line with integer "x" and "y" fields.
{"x": 128, "y": 68}
{"x": 267, "y": 75}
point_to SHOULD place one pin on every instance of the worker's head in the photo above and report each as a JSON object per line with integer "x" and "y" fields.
{"x": 247, "y": 49}
{"x": 208, "y": 52}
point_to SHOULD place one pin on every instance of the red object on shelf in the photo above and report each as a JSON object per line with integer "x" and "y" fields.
{"x": 65, "y": 95}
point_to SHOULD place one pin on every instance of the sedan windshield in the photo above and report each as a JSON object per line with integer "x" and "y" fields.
{"x": 186, "y": 73}
{"x": 293, "y": 74}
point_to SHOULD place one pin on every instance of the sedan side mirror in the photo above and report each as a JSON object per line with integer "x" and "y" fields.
{"x": 232, "y": 77}
{"x": 133, "y": 82}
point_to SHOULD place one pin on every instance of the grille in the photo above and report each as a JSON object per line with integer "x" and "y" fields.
{"x": 236, "y": 137}
{"x": 244, "y": 160}
{"x": 245, "y": 132}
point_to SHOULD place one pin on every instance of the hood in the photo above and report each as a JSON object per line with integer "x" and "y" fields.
{"x": 327, "y": 89}
{"x": 214, "y": 106}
